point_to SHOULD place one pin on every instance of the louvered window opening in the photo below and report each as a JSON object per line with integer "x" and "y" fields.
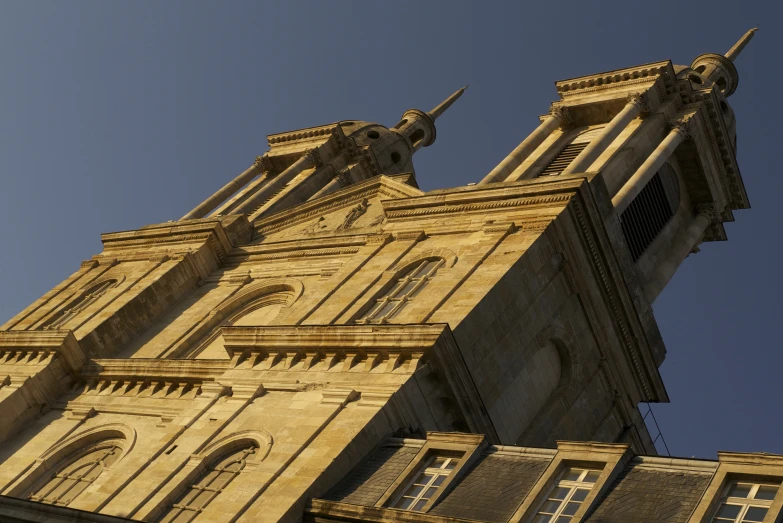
{"x": 563, "y": 159}
{"x": 649, "y": 212}
{"x": 569, "y": 153}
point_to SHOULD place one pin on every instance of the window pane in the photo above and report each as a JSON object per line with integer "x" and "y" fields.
{"x": 189, "y": 497}
{"x": 559, "y": 493}
{"x": 729, "y": 511}
{"x": 570, "y": 509}
{"x": 404, "y": 503}
{"x": 542, "y": 518}
{"x": 452, "y": 464}
{"x": 427, "y": 268}
{"x": 430, "y": 492}
{"x": 61, "y": 489}
{"x": 592, "y": 476}
{"x": 550, "y": 507}
{"x": 580, "y": 494}
{"x": 438, "y": 480}
{"x": 373, "y": 310}
{"x": 185, "y": 516}
{"x": 223, "y": 479}
{"x": 739, "y": 490}
{"x": 439, "y": 462}
{"x": 755, "y": 514}
{"x": 207, "y": 480}
{"x": 563, "y": 519}
{"x": 414, "y": 490}
{"x": 767, "y": 492}
{"x": 202, "y": 499}
{"x": 405, "y": 289}
{"x": 420, "y": 504}
{"x": 572, "y": 475}
{"x": 76, "y": 490}
{"x": 385, "y": 309}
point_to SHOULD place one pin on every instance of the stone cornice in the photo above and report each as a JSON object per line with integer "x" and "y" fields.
{"x": 153, "y": 368}
{"x": 304, "y": 134}
{"x": 220, "y": 233}
{"x": 348, "y": 196}
{"x": 363, "y": 348}
{"x": 483, "y": 198}
{"x": 325, "y": 510}
{"x": 41, "y": 346}
{"x": 617, "y": 78}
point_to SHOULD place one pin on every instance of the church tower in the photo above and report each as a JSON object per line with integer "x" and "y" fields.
{"x": 236, "y": 364}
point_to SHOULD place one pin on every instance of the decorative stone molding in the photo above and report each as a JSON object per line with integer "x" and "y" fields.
{"x": 314, "y": 156}
{"x": 563, "y": 114}
{"x": 263, "y": 163}
{"x": 344, "y": 177}
{"x": 708, "y": 210}
{"x": 642, "y": 100}
{"x": 681, "y": 127}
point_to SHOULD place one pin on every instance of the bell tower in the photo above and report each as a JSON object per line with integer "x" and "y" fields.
{"x": 309, "y": 163}
{"x": 662, "y": 139}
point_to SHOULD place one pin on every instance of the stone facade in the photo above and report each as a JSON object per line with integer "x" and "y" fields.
{"x": 251, "y": 361}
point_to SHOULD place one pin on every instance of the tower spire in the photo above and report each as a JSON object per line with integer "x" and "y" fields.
{"x": 445, "y": 104}
{"x": 734, "y": 52}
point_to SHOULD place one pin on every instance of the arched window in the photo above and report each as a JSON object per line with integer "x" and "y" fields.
{"x": 77, "y": 472}
{"x": 407, "y": 286}
{"x": 650, "y": 210}
{"x": 209, "y": 485}
{"x": 77, "y": 305}
{"x": 261, "y": 311}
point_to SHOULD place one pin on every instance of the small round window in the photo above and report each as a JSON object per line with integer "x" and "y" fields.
{"x": 695, "y": 79}
{"x": 395, "y": 157}
{"x": 373, "y": 134}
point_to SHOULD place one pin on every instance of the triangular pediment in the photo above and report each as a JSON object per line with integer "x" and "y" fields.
{"x": 351, "y": 208}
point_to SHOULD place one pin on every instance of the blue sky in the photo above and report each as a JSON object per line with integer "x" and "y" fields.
{"x": 115, "y": 115}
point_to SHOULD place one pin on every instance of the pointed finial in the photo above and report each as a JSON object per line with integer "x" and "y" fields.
{"x": 445, "y": 104}
{"x": 740, "y": 45}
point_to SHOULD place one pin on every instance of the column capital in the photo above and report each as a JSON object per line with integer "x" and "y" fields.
{"x": 708, "y": 210}
{"x": 563, "y": 114}
{"x": 263, "y": 163}
{"x": 681, "y": 127}
{"x": 314, "y": 156}
{"x": 641, "y": 100}
{"x": 344, "y": 177}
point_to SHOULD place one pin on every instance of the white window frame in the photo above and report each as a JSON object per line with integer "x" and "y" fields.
{"x": 395, "y": 296}
{"x": 450, "y": 463}
{"x": 744, "y": 503}
{"x": 573, "y": 486}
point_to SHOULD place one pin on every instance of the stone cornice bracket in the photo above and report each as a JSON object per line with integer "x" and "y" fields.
{"x": 263, "y": 163}
{"x": 681, "y": 127}
{"x": 641, "y": 100}
{"x": 563, "y": 114}
{"x": 314, "y": 156}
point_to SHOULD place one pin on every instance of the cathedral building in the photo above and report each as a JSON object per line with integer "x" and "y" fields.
{"x": 322, "y": 341}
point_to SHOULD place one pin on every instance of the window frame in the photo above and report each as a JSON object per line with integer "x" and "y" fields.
{"x": 392, "y": 293}
{"x": 249, "y": 452}
{"x": 744, "y": 503}
{"x": 437, "y": 443}
{"x": 435, "y": 472}
{"x": 105, "y": 448}
{"x": 78, "y": 304}
{"x": 572, "y": 486}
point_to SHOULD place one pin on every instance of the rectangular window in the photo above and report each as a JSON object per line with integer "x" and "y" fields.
{"x": 567, "y": 495}
{"x": 425, "y": 484}
{"x": 745, "y": 502}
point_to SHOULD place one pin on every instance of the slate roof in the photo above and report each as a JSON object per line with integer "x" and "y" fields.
{"x": 367, "y": 482}
{"x": 492, "y": 489}
{"x": 651, "y": 496}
